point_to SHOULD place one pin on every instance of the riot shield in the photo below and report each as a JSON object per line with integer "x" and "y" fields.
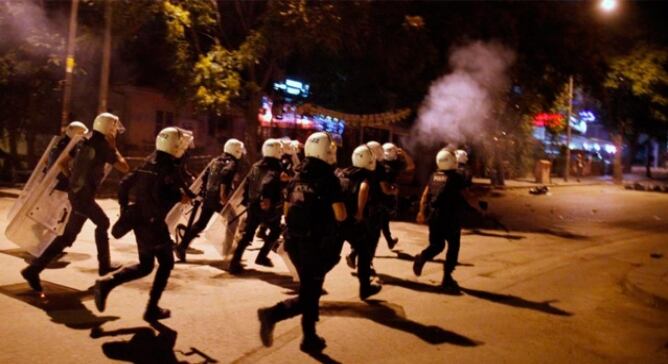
{"x": 178, "y": 217}
{"x": 286, "y": 260}
{"x": 44, "y": 213}
{"x": 222, "y": 230}
{"x": 35, "y": 178}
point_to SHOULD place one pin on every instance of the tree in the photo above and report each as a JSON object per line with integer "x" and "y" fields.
{"x": 29, "y": 73}
{"x": 638, "y": 97}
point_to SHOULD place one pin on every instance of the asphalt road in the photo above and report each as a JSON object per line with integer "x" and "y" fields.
{"x": 553, "y": 289}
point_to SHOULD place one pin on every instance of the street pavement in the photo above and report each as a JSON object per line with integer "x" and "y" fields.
{"x": 579, "y": 277}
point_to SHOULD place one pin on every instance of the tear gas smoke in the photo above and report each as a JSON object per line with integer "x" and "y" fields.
{"x": 459, "y": 105}
{"x": 25, "y": 22}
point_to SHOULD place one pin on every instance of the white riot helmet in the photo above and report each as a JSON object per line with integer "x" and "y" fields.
{"x": 391, "y": 152}
{"x": 286, "y": 146}
{"x": 272, "y": 148}
{"x": 75, "y": 128}
{"x": 320, "y": 145}
{"x": 235, "y": 148}
{"x": 108, "y": 124}
{"x": 377, "y": 150}
{"x": 174, "y": 141}
{"x": 363, "y": 158}
{"x": 445, "y": 160}
{"x": 462, "y": 156}
{"x": 296, "y": 146}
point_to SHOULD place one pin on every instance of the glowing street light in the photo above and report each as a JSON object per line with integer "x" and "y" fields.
{"x": 608, "y": 5}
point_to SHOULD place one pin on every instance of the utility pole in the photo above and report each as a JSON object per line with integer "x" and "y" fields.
{"x": 69, "y": 63}
{"x": 106, "y": 58}
{"x": 568, "y": 128}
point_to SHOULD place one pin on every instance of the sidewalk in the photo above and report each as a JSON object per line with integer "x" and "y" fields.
{"x": 630, "y": 179}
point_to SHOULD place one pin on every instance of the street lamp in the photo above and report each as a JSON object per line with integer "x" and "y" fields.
{"x": 608, "y": 5}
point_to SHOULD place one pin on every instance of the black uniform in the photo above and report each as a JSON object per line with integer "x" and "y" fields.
{"x": 445, "y": 207}
{"x": 358, "y": 233}
{"x": 87, "y": 173}
{"x": 287, "y": 168}
{"x": 377, "y": 212}
{"x": 392, "y": 171}
{"x": 158, "y": 186}
{"x": 263, "y": 182}
{"x": 312, "y": 244}
{"x": 219, "y": 175}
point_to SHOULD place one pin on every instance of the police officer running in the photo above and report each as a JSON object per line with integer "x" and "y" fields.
{"x": 158, "y": 187}
{"x": 355, "y": 184}
{"x": 396, "y": 161}
{"x": 88, "y": 170}
{"x": 379, "y": 190}
{"x": 217, "y": 182}
{"x": 314, "y": 206}
{"x": 441, "y": 205}
{"x": 263, "y": 201}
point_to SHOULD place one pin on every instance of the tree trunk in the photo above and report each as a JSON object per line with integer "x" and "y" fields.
{"x": 617, "y": 165}
{"x": 251, "y": 133}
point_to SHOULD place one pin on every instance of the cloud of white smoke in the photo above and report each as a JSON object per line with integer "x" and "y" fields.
{"x": 25, "y": 22}
{"x": 459, "y": 105}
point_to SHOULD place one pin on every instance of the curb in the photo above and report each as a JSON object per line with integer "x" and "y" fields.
{"x": 636, "y": 283}
{"x": 540, "y": 185}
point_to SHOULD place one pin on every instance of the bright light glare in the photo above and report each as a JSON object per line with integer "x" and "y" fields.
{"x": 608, "y": 5}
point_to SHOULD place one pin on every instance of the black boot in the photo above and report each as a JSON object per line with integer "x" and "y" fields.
{"x": 31, "y": 275}
{"x": 235, "y": 266}
{"x": 392, "y": 243}
{"x": 313, "y": 344}
{"x": 154, "y": 313}
{"x": 449, "y": 285}
{"x": 100, "y": 292}
{"x": 369, "y": 290}
{"x": 108, "y": 267}
{"x": 267, "y": 324}
{"x": 418, "y": 264}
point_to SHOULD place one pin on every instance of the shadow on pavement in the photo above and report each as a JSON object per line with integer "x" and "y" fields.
{"x": 504, "y": 299}
{"x": 510, "y": 300}
{"x": 323, "y": 358}
{"x": 57, "y": 263}
{"x": 63, "y": 304}
{"x": 392, "y": 315}
{"x": 494, "y": 235}
{"x": 280, "y": 280}
{"x": 410, "y": 258}
{"x": 145, "y": 346}
{"x": 403, "y": 256}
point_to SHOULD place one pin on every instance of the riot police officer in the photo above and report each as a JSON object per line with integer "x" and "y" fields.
{"x": 379, "y": 190}
{"x": 263, "y": 201}
{"x": 88, "y": 170}
{"x": 158, "y": 186}
{"x": 355, "y": 184}
{"x": 396, "y": 162}
{"x": 217, "y": 188}
{"x": 314, "y": 206}
{"x": 441, "y": 205}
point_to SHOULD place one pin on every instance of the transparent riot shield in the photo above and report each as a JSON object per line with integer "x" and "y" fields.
{"x": 286, "y": 260}
{"x": 222, "y": 230}
{"x": 35, "y": 178}
{"x": 178, "y": 217}
{"x": 44, "y": 213}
